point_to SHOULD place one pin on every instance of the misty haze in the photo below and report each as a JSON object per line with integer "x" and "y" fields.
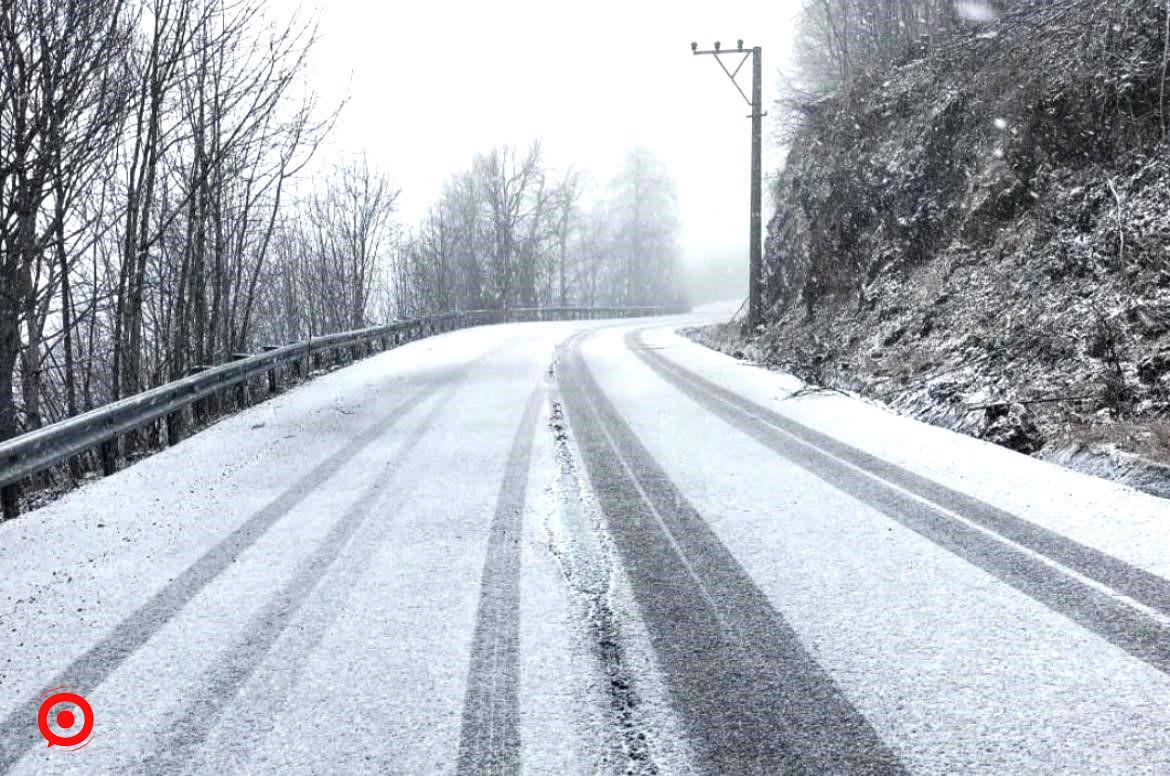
{"x": 634, "y": 388}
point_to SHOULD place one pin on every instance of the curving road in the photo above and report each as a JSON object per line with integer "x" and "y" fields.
{"x": 589, "y": 547}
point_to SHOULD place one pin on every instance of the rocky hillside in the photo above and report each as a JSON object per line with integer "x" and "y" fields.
{"x": 980, "y": 237}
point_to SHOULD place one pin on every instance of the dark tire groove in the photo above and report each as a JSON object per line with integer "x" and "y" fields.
{"x": 900, "y": 495}
{"x": 489, "y": 740}
{"x": 606, "y": 637}
{"x": 752, "y": 699}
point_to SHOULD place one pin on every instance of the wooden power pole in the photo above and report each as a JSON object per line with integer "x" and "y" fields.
{"x": 755, "y": 255}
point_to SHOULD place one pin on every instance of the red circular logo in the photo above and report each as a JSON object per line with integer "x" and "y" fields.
{"x": 65, "y": 719}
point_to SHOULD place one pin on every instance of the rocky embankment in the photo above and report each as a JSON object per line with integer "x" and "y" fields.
{"x": 981, "y": 238}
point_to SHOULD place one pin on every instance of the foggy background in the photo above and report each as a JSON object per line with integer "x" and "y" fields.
{"x": 430, "y": 84}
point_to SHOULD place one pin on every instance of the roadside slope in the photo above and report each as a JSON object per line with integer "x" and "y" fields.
{"x": 979, "y": 238}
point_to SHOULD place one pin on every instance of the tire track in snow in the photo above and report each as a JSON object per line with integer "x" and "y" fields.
{"x": 18, "y": 734}
{"x": 489, "y": 741}
{"x": 223, "y": 680}
{"x": 753, "y": 700}
{"x": 1126, "y": 605}
{"x": 586, "y": 562}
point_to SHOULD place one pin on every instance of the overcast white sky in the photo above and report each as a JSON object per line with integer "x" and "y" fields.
{"x": 430, "y": 83}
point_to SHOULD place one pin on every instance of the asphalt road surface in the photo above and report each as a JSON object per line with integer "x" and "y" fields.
{"x": 579, "y": 548}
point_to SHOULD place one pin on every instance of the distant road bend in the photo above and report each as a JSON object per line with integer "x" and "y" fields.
{"x": 588, "y": 547}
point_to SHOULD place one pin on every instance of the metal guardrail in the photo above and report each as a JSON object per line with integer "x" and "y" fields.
{"x": 29, "y": 454}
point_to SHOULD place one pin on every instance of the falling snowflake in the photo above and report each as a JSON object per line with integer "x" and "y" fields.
{"x": 974, "y": 11}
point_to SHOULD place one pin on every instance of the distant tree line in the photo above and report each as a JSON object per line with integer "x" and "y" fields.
{"x": 510, "y": 232}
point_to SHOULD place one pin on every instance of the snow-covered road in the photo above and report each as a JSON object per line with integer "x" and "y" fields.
{"x": 588, "y": 547}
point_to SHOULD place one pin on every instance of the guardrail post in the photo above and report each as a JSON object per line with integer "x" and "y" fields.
{"x": 201, "y": 407}
{"x": 242, "y": 386}
{"x": 108, "y": 453}
{"x": 9, "y": 501}
{"x": 273, "y": 374}
{"x": 174, "y": 426}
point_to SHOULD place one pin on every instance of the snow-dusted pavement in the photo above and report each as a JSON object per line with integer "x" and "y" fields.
{"x": 588, "y": 548}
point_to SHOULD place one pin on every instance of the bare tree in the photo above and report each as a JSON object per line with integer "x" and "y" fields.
{"x": 345, "y": 242}
{"x": 646, "y": 210}
{"x": 214, "y": 130}
{"x": 566, "y": 199}
{"x": 838, "y": 41}
{"x": 510, "y": 232}
{"x": 59, "y": 110}
{"x": 145, "y": 146}
{"x": 512, "y": 188}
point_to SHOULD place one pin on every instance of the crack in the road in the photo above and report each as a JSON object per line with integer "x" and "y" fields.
{"x": 588, "y": 573}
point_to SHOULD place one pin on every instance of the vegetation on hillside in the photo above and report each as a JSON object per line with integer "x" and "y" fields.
{"x": 974, "y": 228}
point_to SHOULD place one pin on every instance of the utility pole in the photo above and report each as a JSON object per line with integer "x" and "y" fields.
{"x": 755, "y": 303}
